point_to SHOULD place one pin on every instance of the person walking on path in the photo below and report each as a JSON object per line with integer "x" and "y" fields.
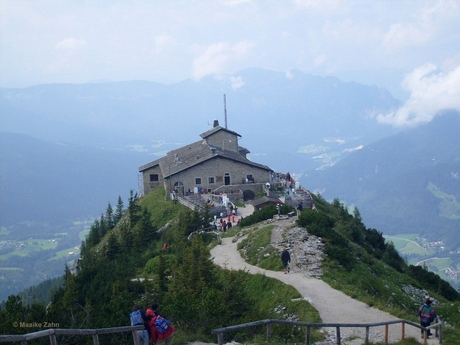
{"x": 286, "y": 259}
{"x": 426, "y": 314}
{"x": 299, "y": 208}
{"x": 138, "y": 318}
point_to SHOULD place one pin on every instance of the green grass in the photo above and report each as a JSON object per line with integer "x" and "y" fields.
{"x": 370, "y": 281}
{"x": 30, "y": 246}
{"x": 449, "y": 207}
{"x": 65, "y": 253}
{"x": 161, "y": 210}
{"x": 257, "y": 250}
{"x": 407, "y": 246}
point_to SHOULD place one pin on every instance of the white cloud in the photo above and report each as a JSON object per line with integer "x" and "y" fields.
{"x": 236, "y": 82}
{"x": 430, "y": 92}
{"x": 71, "y": 44}
{"x": 403, "y": 35}
{"x": 218, "y": 56}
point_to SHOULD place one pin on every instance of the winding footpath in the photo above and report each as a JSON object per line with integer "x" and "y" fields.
{"x": 332, "y": 305}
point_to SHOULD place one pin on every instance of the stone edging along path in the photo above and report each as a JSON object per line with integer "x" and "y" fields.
{"x": 333, "y": 305}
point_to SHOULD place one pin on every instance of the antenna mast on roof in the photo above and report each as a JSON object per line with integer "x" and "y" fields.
{"x": 225, "y": 110}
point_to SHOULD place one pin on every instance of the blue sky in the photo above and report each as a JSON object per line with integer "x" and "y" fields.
{"x": 412, "y": 48}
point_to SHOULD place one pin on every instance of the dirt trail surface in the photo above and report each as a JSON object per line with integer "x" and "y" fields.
{"x": 332, "y": 305}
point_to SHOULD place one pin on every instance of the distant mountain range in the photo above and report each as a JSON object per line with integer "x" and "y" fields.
{"x": 284, "y": 120}
{"x": 406, "y": 183}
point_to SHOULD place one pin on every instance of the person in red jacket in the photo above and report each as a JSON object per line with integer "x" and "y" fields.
{"x": 158, "y": 338}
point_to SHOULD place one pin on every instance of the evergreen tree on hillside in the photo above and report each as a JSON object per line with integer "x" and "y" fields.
{"x": 112, "y": 248}
{"x": 118, "y": 211}
{"x": 103, "y": 226}
{"x": 133, "y": 208}
{"x": 109, "y": 216}
{"x": 94, "y": 235}
{"x": 195, "y": 281}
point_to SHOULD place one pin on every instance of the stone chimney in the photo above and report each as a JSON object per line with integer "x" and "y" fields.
{"x": 216, "y": 123}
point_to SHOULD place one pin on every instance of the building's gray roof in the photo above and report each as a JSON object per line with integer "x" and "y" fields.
{"x": 198, "y": 152}
{"x": 264, "y": 200}
{"x": 215, "y": 130}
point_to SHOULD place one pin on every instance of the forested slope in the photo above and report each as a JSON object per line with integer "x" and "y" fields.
{"x": 123, "y": 261}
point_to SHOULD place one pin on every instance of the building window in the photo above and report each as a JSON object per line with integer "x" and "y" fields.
{"x": 197, "y": 180}
{"x": 153, "y": 177}
{"x": 211, "y": 179}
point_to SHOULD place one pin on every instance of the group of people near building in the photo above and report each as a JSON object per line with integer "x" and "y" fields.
{"x": 157, "y": 330}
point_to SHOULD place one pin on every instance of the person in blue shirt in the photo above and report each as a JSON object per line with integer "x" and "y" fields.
{"x": 426, "y": 314}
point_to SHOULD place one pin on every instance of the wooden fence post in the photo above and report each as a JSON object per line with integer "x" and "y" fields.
{"x": 403, "y": 330}
{"x": 135, "y": 337}
{"x": 96, "y": 339}
{"x": 269, "y": 331}
{"x": 53, "y": 339}
{"x": 307, "y": 336}
{"x": 386, "y": 334}
{"x": 220, "y": 338}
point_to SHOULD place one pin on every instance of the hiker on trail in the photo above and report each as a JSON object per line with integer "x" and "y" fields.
{"x": 286, "y": 259}
{"x": 426, "y": 314}
{"x": 299, "y": 208}
{"x": 152, "y": 311}
{"x": 138, "y": 318}
{"x": 161, "y": 336}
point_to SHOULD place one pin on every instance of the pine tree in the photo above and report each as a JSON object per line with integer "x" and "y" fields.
{"x": 112, "y": 248}
{"x": 109, "y": 216}
{"x": 103, "y": 226}
{"x": 94, "y": 234}
{"x": 195, "y": 280}
{"x": 133, "y": 208}
{"x": 118, "y": 211}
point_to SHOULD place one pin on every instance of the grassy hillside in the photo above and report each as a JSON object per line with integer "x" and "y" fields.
{"x": 126, "y": 262}
{"x": 361, "y": 264}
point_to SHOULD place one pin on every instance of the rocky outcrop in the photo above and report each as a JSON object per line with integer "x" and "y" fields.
{"x": 306, "y": 250}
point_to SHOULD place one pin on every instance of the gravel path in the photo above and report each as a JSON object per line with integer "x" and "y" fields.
{"x": 332, "y": 305}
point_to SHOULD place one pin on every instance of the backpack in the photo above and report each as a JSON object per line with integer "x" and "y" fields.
{"x": 136, "y": 318}
{"x": 427, "y": 310}
{"x": 161, "y": 324}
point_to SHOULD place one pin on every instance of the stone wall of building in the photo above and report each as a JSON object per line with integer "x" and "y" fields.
{"x": 151, "y": 185}
{"x": 223, "y": 139}
{"x": 217, "y": 169}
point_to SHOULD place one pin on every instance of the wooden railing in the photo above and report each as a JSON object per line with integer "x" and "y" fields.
{"x": 269, "y": 322}
{"x": 52, "y": 333}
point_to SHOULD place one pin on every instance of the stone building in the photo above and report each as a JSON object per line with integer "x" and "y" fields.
{"x": 215, "y": 164}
